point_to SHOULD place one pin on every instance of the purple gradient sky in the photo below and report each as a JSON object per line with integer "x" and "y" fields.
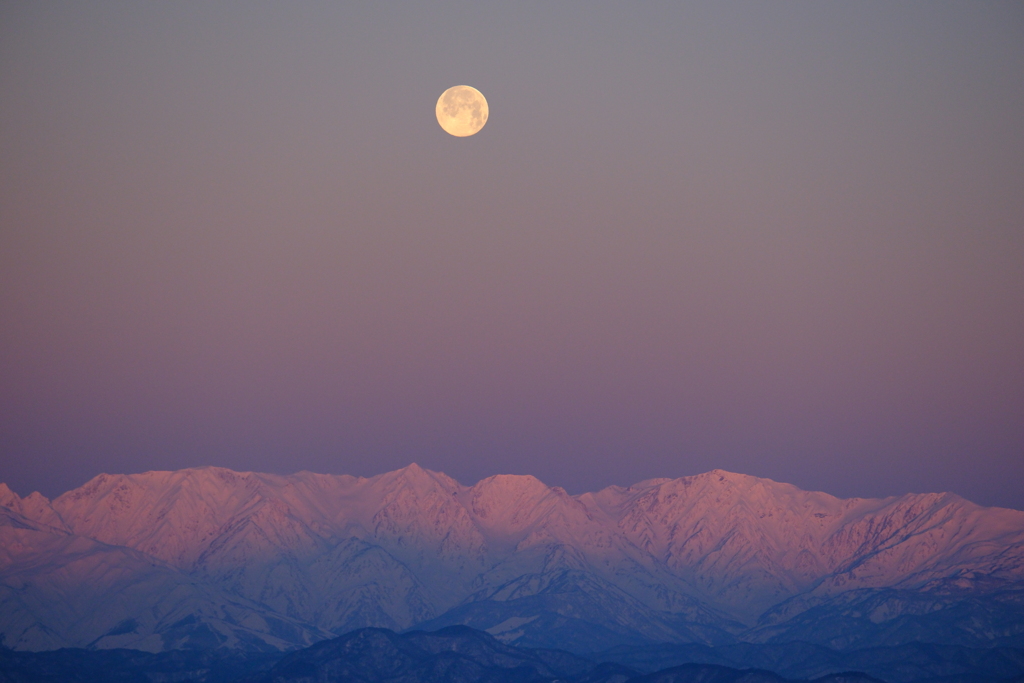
{"x": 785, "y": 239}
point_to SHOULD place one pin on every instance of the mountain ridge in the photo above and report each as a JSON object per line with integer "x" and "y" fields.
{"x": 713, "y": 558}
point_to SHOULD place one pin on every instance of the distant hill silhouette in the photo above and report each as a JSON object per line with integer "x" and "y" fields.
{"x": 456, "y": 654}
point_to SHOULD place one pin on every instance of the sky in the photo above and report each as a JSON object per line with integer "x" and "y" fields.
{"x": 780, "y": 238}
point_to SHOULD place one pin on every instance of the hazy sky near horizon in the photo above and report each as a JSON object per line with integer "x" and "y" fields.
{"x": 779, "y": 238}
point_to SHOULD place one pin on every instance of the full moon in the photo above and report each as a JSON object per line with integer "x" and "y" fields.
{"x": 462, "y": 111}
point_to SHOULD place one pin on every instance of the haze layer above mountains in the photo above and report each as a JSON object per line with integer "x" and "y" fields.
{"x": 209, "y": 557}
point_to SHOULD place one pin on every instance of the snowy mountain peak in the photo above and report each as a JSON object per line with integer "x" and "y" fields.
{"x": 418, "y": 479}
{"x": 505, "y": 503}
{"x": 7, "y": 496}
{"x": 34, "y": 506}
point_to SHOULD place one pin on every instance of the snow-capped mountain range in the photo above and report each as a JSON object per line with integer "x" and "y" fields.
{"x": 209, "y": 557}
